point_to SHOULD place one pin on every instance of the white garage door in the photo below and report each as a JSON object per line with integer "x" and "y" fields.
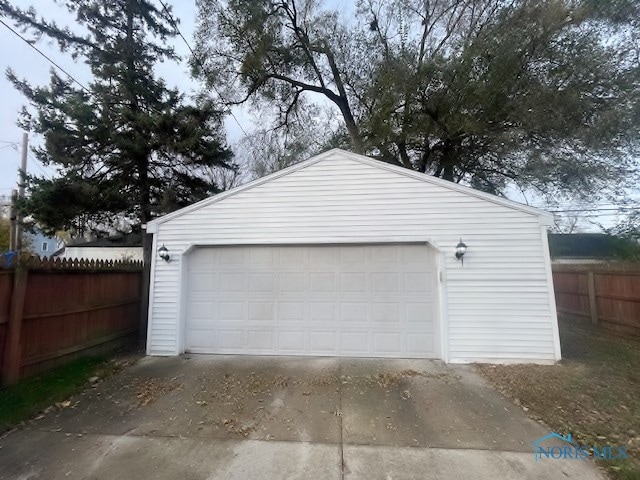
{"x": 360, "y": 300}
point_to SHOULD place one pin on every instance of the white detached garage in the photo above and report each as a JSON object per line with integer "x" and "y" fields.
{"x": 343, "y": 255}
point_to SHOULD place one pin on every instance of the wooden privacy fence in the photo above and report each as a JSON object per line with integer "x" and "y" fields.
{"x": 52, "y": 310}
{"x": 604, "y": 294}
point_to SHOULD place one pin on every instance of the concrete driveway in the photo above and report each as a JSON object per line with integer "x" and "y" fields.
{"x": 223, "y": 417}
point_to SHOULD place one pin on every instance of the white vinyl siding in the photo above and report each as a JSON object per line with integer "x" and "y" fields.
{"x": 497, "y": 306}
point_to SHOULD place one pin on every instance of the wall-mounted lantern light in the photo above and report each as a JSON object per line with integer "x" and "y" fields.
{"x": 163, "y": 253}
{"x": 461, "y": 249}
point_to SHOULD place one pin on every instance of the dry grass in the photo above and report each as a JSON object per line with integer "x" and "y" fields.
{"x": 593, "y": 393}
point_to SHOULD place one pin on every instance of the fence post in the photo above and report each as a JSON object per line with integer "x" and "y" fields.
{"x": 13, "y": 351}
{"x": 593, "y": 305}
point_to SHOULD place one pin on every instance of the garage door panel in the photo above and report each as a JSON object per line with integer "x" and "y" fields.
{"x": 385, "y": 282}
{"x": 292, "y": 283}
{"x": 260, "y": 311}
{"x": 261, "y": 283}
{"x": 360, "y": 300}
{"x": 325, "y": 258}
{"x": 350, "y": 256}
{"x": 387, "y": 343}
{"x": 232, "y": 282}
{"x": 291, "y": 257}
{"x": 323, "y": 311}
{"x": 323, "y": 341}
{"x": 229, "y": 339}
{"x": 408, "y": 260}
{"x": 232, "y": 256}
{"x": 232, "y": 311}
{"x": 202, "y": 261}
{"x": 419, "y": 344}
{"x": 354, "y": 342}
{"x": 201, "y": 309}
{"x": 291, "y": 311}
{"x": 383, "y": 254}
{"x": 416, "y": 312}
{"x": 324, "y": 282}
{"x": 205, "y": 281}
{"x": 292, "y": 341}
{"x": 354, "y": 312}
{"x": 386, "y": 313}
{"x": 417, "y": 282}
{"x": 262, "y": 257}
{"x": 200, "y": 339}
{"x": 353, "y": 282}
{"x": 261, "y": 340}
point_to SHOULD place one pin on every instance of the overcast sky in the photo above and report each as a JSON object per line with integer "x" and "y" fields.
{"x": 28, "y": 64}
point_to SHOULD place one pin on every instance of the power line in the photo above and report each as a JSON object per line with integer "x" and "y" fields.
{"x": 586, "y": 206}
{"x": 47, "y": 57}
{"x": 80, "y": 84}
{"x": 173, "y": 23}
{"x": 38, "y": 164}
{"x": 596, "y": 209}
{"x": 195, "y": 57}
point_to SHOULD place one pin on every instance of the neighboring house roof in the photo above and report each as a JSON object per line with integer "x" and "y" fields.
{"x": 125, "y": 240}
{"x": 586, "y": 245}
{"x": 128, "y": 240}
{"x": 545, "y": 216}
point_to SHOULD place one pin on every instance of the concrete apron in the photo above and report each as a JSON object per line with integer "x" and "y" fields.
{"x": 225, "y": 417}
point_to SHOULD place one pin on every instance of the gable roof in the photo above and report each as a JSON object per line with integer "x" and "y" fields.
{"x": 546, "y": 216}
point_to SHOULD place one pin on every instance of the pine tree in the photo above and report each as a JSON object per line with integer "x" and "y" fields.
{"x": 127, "y": 146}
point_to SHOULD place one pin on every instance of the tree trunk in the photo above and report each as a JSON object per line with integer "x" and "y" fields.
{"x": 352, "y": 127}
{"x": 404, "y": 155}
{"x": 447, "y": 163}
{"x": 447, "y": 172}
{"x": 141, "y": 159}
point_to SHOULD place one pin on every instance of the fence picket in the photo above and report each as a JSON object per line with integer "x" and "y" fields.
{"x": 607, "y": 295}
{"x": 69, "y": 307}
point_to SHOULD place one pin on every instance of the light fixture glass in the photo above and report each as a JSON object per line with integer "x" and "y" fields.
{"x": 461, "y": 249}
{"x": 163, "y": 253}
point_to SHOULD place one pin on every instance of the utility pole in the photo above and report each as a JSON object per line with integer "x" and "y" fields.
{"x": 21, "y": 187}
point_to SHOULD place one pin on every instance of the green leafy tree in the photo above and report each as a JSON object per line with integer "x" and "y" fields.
{"x": 5, "y": 226}
{"x": 628, "y": 233}
{"x": 540, "y": 94}
{"x": 127, "y": 146}
{"x": 5, "y": 236}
